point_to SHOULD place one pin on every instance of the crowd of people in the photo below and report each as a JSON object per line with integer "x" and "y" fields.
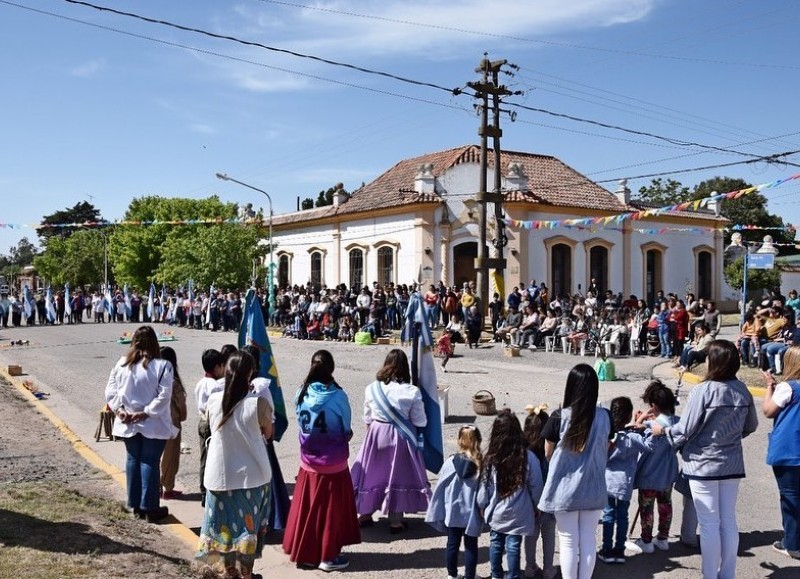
{"x": 552, "y": 477}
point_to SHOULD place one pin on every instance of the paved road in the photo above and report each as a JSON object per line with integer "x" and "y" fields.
{"x": 72, "y": 364}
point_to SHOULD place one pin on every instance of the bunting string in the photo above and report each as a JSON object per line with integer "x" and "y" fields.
{"x": 618, "y": 219}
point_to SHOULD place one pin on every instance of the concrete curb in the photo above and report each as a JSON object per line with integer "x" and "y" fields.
{"x": 694, "y": 379}
{"x": 177, "y": 528}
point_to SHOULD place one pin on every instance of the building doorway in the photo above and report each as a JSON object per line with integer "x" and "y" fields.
{"x": 464, "y": 255}
{"x": 653, "y": 274}
{"x": 561, "y": 270}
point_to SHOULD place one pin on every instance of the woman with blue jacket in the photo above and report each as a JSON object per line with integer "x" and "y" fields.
{"x": 719, "y": 413}
{"x": 782, "y": 402}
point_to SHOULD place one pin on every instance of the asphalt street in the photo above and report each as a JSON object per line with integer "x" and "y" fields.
{"x": 72, "y": 364}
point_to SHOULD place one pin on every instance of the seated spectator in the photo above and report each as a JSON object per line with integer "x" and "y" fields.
{"x": 529, "y": 329}
{"x": 548, "y": 324}
{"x": 578, "y": 336}
{"x": 509, "y": 327}
{"x": 772, "y": 323}
{"x": 777, "y": 347}
{"x": 748, "y": 340}
{"x": 345, "y": 330}
{"x": 696, "y": 352}
{"x": 313, "y": 329}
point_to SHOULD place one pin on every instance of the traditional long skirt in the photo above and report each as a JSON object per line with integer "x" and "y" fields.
{"x": 389, "y": 474}
{"x": 322, "y": 518}
{"x": 234, "y": 526}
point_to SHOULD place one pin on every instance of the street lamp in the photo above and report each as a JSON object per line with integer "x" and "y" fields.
{"x": 224, "y": 177}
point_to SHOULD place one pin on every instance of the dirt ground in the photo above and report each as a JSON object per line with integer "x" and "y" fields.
{"x": 60, "y": 517}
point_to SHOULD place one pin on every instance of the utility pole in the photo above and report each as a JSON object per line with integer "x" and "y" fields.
{"x": 483, "y": 89}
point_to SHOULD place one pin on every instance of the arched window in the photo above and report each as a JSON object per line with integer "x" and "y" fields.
{"x": 653, "y": 256}
{"x": 385, "y": 265}
{"x": 561, "y": 269}
{"x": 316, "y": 270}
{"x": 598, "y": 267}
{"x": 356, "y": 268}
{"x": 705, "y": 275}
{"x": 283, "y": 270}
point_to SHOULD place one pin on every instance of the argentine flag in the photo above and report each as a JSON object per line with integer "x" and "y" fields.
{"x": 50, "y": 307}
{"x": 108, "y": 302}
{"x": 27, "y": 302}
{"x": 207, "y": 320}
{"x": 150, "y": 299}
{"x": 127, "y": 295}
{"x": 67, "y": 302}
{"x": 423, "y": 374}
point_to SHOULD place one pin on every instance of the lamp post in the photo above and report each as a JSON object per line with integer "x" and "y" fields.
{"x": 225, "y": 177}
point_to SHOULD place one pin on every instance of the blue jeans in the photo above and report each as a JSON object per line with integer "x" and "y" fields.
{"x": 773, "y": 349}
{"x": 454, "y": 535}
{"x": 615, "y": 512}
{"x": 788, "y": 478}
{"x": 143, "y": 472}
{"x": 511, "y": 544}
{"x": 666, "y": 347}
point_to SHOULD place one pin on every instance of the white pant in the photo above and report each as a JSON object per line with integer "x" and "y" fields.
{"x": 577, "y": 543}
{"x": 715, "y": 503}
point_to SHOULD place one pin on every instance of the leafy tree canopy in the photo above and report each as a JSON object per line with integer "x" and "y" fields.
{"x": 83, "y": 212}
{"x": 76, "y": 259}
{"x": 661, "y": 193}
{"x": 19, "y": 255}
{"x": 326, "y": 197}
{"x": 757, "y": 279}
{"x": 172, "y": 254}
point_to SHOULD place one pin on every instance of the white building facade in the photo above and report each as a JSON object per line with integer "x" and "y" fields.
{"x": 418, "y": 222}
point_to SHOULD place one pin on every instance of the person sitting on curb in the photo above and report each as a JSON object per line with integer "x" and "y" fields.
{"x": 696, "y": 352}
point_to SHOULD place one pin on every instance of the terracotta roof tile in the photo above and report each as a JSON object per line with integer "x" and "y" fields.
{"x": 549, "y": 182}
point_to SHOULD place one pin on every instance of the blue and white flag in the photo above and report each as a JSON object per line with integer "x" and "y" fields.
{"x": 162, "y": 314}
{"x": 423, "y": 374}
{"x": 67, "y": 302}
{"x": 126, "y": 294}
{"x": 28, "y": 306}
{"x": 108, "y": 301}
{"x": 207, "y": 321}
{"x": 50, "y": 307}
{"x": 151, "y": 297}
{"x": 253, "y": 332}
{"x": 190, "y": 291}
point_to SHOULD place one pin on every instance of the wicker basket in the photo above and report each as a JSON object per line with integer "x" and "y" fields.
{"x": 483, "y": 403}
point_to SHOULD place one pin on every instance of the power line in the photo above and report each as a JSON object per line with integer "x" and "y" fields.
{"x": 529, "y": 40}
{"x": 169, "y": 24}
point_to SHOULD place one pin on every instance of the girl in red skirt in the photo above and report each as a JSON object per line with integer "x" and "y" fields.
{"x": 322, "y": 518}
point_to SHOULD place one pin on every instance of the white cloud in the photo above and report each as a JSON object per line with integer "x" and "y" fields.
{"x": 390, "y": 27}
{"x": 88, "y": 69}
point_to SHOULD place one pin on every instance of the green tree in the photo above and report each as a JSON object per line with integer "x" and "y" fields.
{"x": 757, "y": 279}
{"x": 325, "y": 198}
{"x": 661, "y": 193}
{"x": 22, "y": 253}
{"x": 216, "y": 253}
{"x": 749, "y": 209}
{"x": 307, "y": 203}
{"x": 76, "y": 259}
{"x": 83, "y": 212}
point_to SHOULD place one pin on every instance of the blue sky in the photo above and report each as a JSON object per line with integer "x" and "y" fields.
{"x": 93, "y": 111}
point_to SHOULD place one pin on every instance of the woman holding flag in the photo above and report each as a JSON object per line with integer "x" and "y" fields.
{"x": 389, "y": 471}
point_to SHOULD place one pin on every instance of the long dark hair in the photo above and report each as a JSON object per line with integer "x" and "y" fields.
{"x": 169, "y": 355}
{"x": 322, "y": 367}
{"x": 238, "y": 372}
{"x": 580, "y": 395}
{"x": 534, "y": 425}
{"x": 144, "y": 347}
{"x": 621, "y": 412}
{"x": 506, "y": 456}
{"x": 395, "y": 368}
{"x": 723, "y": 361}
{"x": 256, "y": 354}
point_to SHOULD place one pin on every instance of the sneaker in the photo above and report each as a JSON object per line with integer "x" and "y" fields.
{"x": 778, "y": 546}
{"x": 170, "y": 495}
{"x": 619, "y": 555}
{"x": 532, "y": 348}
{"x": 639, "y": 546}
{"x": 336, "y": 565}
{"x": 661, "y": 544}
{"x": 605, "y": 556}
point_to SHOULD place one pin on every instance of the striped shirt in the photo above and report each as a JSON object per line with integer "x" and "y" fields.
{"x": 709, "y": 435}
